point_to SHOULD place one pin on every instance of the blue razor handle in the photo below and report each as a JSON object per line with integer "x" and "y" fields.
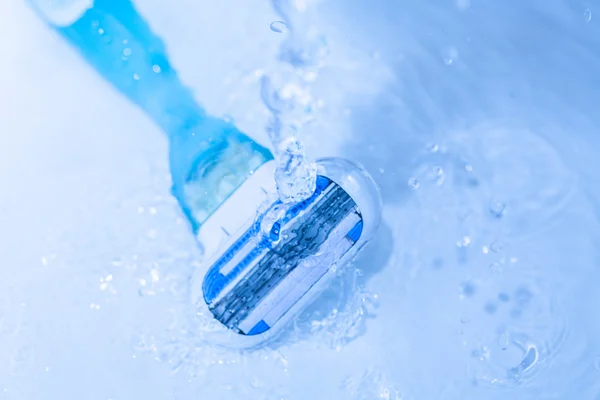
{"x": 209, "y": 157}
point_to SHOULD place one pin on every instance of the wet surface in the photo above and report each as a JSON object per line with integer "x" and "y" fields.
{"x": 480, "y": 284}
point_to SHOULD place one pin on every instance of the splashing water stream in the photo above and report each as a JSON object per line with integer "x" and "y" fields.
{"x": 286, "y": 93}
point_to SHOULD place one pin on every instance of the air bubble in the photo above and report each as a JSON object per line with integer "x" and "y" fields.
{"x": 497, "y": 247}
{"x": 587, "y": 15}
{"x": 414, "y": 183}
{"x": 439, "y": 175}
{"x": 497, "y": 208}
{"x": 503, "y": 341}
{"x": 278, "y": 27}
{"x": 450, "y": 55}
{"x": 495, "y": 268}
{"x": 433, "y": 148}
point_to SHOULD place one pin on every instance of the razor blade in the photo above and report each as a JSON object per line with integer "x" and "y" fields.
{"x": 264, "y": 267}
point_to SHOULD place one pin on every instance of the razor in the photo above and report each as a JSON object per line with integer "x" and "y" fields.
{"x": 264, "y": 260}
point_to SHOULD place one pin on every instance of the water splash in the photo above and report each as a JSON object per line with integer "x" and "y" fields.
{"x": 286, "y": 94}
{"x": 296, "y": 175}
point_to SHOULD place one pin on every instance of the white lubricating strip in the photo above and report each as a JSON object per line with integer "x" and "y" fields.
{"x": 302, "y": 287}
{"x": 299, "y": 281}
{"x": 238, "y": 211}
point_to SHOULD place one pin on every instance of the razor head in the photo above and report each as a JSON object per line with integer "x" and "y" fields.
{"x": 264, "y": 267}
{"x": 277, "y": 261}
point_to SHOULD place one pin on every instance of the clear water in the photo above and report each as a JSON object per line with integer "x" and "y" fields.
{"x": 286, "y": 94}
{"x": 477, "y": 118}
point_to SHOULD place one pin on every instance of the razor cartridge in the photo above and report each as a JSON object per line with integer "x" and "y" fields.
{"x": 265, "y": 266}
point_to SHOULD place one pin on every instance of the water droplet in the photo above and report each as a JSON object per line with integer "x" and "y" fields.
{"x": 433, "y": 148}
{"x": 156, "y": 69}
{"x": 485, "y": 250}
{"x": 467, "y": 289}
{"x": 497, "y": 208}
{"x": 497, "y": 247}
{"x": 450, "y": 55}
{"x": 439, "y": 175}
{"x": 523, "y": 296}
{"x": 490, "y": 308}
{"x": 495, "y": 268}
{"x": 503, "y": 341}
{"x": 503, "y": 297}
{"x": 278, "y": 27}
{"x": 381, "y": 170}
{"x": 136, "y": 77}
{"x": 127, "y": 52}
{"x": 117, "y": 262}
{"x": 100, "y": 31}
{"x": 587, "y": 15}
{"x": 414, "y": 183}
{"x": 529, "y": 360}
